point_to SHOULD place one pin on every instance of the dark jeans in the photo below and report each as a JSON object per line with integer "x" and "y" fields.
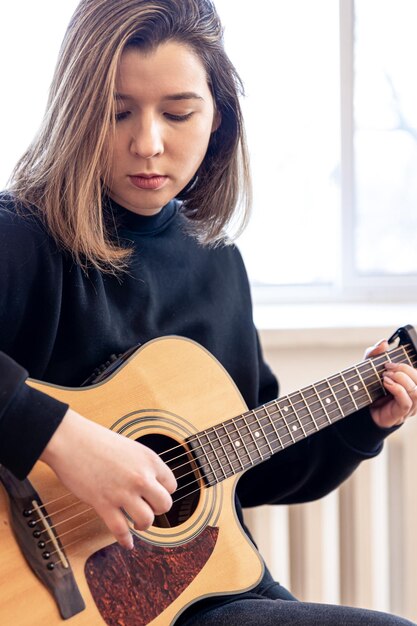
{"x": 270, "y": 603}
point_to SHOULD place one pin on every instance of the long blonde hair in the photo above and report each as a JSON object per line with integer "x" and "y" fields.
{"x": 60, "y": 175}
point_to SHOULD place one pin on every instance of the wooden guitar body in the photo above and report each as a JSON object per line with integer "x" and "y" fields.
{"x": 57, "y": 559}
{"x": 167, "y": 391}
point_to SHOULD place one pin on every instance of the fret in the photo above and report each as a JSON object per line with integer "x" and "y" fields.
{"x": 272, "y": 423}
{"x": 203, "y": 466}
{"x": 230, "y": 449}
{"x": 238, "y": 423}
{"x": 214, "y": 439}
{"x": 238, "y": 442}
{"x": 318, "y": 415}
{"x": 412, "y": 361}
{"x": 343, "y": 400}
{"x": 282, "y": 410}
{"x": 379, "y": 363}
{"x": 397, "y": 355}
{"x": 257, "y": 434}
{"x": 406, "y": 355}
{"x": 310, "y": 416}
{"x": 305, "y": 410}
{"x": 378, "y": 377}
{"x": 329, "y": 401}
{"x": 230, "y": 457}
{"x": 363, "y": 384}
{"x": 297, "y": 413}
{"x": 249, "y": 439}
{"x": 349, "y": 391}
{"x": 322, "y": 404}
{"x": 371, "y": 380}
{"x": 246, "y": 440}
{"x": 311, "y": 411}
{"x": 337, "y": 381}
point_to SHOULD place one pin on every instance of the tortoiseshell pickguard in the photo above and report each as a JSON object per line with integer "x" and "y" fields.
{"x": 133, "y": 587}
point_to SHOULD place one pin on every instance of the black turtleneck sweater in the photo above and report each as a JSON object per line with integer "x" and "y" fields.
{"x": 58, "y": 324}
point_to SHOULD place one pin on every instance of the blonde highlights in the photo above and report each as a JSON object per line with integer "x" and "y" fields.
{"x": 61, "y": 173}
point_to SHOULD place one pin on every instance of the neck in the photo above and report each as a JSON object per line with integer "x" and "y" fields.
{"x": 239, "y": 443}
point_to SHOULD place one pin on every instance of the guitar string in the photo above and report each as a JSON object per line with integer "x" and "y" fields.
{"x": 95, "y": 518}
{"x": 271, "y": 413}
{"x": 56, "y": 525}
{"x": 187, "y": 485}
{"x": 179, "y": 447}
{"x": 185, "y": 495}
{"x": 302, "y": 401}
{"x": 188, "y": 494}
{"x": 176, "y": 500}
{"x": 199, "y": 480}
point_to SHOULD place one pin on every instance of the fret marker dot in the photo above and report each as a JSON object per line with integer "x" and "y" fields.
{"x": 294, "y": 427}
{"x": 285, "y": 408}
{"x": 355, "y": 388}
{"x": 237, "y": 444}
{"x": 328, "y": 400}
{"x": 257, "y": 433}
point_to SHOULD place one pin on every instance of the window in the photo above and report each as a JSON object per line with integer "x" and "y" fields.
{"x": 331, "y": 113}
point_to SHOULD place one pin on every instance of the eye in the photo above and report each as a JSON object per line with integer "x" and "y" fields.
{"x": 178, "y": 118}
{"x": 121, "y": 116}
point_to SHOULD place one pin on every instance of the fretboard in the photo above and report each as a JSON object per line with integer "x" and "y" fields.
{"x": 239, "y": 443}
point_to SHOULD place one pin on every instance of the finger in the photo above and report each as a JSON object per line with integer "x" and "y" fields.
{"x": 402, "y": 376}
{"x": 403, "y": 405}
{"x": 156, "y": 496}
{"x": 162, "y": 472}
{"x": 140, "y": 513}
{"x": 118, "y": 525}
{"x": 167, "y": 478}
{"x": 402, "y": 367}
{"x": 379, "y": 348}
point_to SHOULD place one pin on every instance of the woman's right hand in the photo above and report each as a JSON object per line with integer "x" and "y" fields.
{"x": 110, "y": 472}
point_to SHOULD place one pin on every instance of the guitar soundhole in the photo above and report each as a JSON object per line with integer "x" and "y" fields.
{"x": 187, "y": 495}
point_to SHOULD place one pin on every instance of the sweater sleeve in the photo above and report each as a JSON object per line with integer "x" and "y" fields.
{"x": 28, "y": 419}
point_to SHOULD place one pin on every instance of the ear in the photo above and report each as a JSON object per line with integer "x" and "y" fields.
{"x": 217, "y": 120}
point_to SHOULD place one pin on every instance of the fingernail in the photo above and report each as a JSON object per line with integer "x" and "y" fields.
{"x": 378, "y": 343}
{"x": 388, "y": 380}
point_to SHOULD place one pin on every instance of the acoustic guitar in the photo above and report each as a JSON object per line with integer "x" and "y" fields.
{"x": 59, "y": 562}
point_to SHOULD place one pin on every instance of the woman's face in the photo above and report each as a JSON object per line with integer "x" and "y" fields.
{"x": 165, "y": 116}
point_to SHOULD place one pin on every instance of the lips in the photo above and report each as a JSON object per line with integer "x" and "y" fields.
{"x": 148, "y": 181}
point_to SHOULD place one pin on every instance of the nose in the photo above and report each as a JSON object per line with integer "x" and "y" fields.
{"x": 147, "y": 141}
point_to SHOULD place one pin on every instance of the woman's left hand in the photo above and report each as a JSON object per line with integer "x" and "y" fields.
{"x": 401, "y": 383}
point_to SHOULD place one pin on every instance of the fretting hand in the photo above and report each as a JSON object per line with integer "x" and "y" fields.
{"x": 110, "y": 472}
{"x": 400, "y": 381}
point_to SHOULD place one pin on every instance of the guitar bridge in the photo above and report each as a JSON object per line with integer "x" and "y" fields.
{"x": 29, "y": 522}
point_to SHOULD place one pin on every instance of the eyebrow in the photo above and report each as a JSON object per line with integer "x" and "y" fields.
{"x": 184, "y": 95}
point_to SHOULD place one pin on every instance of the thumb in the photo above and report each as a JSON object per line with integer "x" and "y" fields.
{"x": 380, "y": 347}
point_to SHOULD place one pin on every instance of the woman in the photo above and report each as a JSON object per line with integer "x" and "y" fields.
{"x": 113, "y": 233}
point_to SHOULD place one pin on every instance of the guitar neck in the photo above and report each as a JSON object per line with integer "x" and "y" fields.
{"x": 243, "y": 441}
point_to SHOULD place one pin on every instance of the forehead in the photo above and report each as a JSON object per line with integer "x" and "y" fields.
{"x": 171, "y": 67}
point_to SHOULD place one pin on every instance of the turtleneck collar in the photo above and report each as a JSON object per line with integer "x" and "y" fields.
{"x": 126, "y": 221}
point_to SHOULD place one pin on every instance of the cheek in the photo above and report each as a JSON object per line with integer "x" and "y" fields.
{"x": 197, "y": 144}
